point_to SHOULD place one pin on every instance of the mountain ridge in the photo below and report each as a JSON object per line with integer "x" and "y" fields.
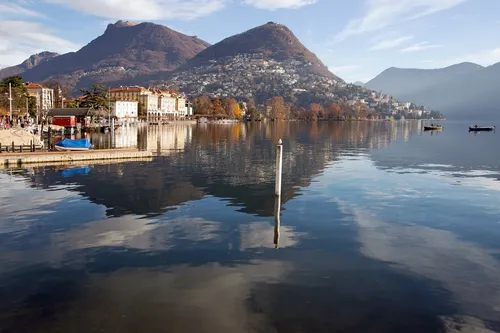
{"x": 272, "y": 39}
{"x": 32, "y": 61}
{"x": 124, "y": 49}
{"x": 463, "y": 90}
{"x": 262, "y": 62}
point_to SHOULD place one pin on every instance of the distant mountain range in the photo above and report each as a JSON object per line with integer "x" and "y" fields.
{"x": 359, "y": 83}
{"x": 265, "y": 61}
{"x": 34, "y": 60}
{"x": 125, "y": 50}
{"x": 462, "y": 91}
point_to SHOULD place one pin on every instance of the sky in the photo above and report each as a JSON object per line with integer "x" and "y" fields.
{"x": 356, "y": 39}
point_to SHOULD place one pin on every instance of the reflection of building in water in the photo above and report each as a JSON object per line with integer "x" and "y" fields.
{"x": 126, "y": 137}
{"x": 168, "y": 137}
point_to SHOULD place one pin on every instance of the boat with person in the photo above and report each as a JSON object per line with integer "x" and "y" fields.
{"x": 77, "y": 145}
{"x": 476, "y": 128}
{"x": 433, "y": 127}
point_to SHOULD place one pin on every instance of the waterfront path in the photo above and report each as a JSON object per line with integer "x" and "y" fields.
{"x": 13, "y": 159}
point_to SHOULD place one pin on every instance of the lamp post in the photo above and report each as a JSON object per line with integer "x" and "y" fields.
{"x": 10, "y": 101}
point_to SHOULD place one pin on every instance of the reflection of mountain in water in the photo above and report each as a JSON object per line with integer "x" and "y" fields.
{"x": 234, "y": 162}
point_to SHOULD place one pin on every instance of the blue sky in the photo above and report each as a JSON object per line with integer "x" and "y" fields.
{"x": 356, "y": 39}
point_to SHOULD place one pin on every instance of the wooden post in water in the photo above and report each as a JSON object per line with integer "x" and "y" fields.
{"x": 277, "y": 222}
{"x": 279, "y": 167}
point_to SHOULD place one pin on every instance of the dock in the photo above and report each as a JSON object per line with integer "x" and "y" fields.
{"x": 13, "y": 159}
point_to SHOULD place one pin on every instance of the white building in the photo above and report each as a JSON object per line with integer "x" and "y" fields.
{"x": 182, "y": 109}
{"x": 44, "y": 96}
{"x": 125, "y": 109}
{"x": 167, "y": 104}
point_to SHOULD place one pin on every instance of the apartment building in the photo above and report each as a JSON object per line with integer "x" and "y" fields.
{"x": 44, "y": 96}
{"x": 125, "y": 109}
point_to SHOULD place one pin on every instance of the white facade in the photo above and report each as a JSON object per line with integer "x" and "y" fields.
{"x": 181, "y": 107}
{"x": 150, "y": 102}
{"x": 44, "y": 96}
{"x": 125, "y": 109}
{"x": 167, "y": 105}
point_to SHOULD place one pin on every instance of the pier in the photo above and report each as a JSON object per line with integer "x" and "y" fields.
{"x": 7, "y": 160}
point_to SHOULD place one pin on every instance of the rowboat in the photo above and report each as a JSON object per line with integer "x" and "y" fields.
{"x": 77, "y": 145}
{"x": 433, "y": 128}
{"x": 482, "y": 128}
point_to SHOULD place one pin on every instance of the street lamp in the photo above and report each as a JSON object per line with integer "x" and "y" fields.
{"x": 10, "y": 100}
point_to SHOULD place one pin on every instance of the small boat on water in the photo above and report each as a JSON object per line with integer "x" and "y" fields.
{"x": 69, "y": 144}
{"x": 433, "y": 128}
{"x": 481, "y": 128}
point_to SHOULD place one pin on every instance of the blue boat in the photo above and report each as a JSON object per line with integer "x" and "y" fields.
{"x": 68, "y": 144}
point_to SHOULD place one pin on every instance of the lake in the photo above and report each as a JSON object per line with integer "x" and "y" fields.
{"x": 382, "y": 228}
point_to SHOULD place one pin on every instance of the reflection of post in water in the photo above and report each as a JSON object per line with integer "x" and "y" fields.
{"x": 277, "y": 223}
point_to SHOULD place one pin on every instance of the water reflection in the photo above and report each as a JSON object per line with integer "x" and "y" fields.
{"x": 374, "y": 234}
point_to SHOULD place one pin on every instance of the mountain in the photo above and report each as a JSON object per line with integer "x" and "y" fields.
{"x": 405, "y": 81}
{"x": 28, "y": 64}
{"x": 462, "y": 91}
{"x": 264, "y": 61}
{"x": 359, "y": 83}
{"x": 273, "y": 40}
{"x": 126, "y": 49}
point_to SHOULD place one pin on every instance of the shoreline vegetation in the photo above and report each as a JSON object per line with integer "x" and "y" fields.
{"x": 277, "y": 108}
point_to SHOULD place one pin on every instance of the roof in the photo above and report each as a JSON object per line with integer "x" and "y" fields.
{"x": 79, "y": 112}
{"x": 134, "y": 88}
{"x": 31, "y": 85}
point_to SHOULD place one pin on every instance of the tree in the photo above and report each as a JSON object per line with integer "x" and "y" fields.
{"x": 237, "y": 111}
{"x": 334, "y": 111}
{"x": 19, "y": 92}
{"x": 96, "y": 97}
{"x": 301, "y": 113}
{"x": 277, "y": 105}
{"x": 217, "y": 106}
{"x": 314, "y": 111}
{"x": 252, "y": 109}
{"x": 32, "y": 106}
{"x": 231, "y": 107}
{"x": 202, "y": 105}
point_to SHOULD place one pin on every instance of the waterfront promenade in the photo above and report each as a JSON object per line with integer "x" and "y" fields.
{"x": 13, "y": 159}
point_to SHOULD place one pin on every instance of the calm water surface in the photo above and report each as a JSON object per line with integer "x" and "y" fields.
{"x": 383, "y": 228}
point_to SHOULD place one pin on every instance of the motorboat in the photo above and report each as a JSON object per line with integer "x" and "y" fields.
{"x": 77, "y": 145}
{"x": 481, "y": 128}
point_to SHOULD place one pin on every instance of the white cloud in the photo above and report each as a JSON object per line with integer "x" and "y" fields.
{"x": 420, "y": 47}
{"x": 20, "y": 39}
{"x": 145, "y": 9}
{"x": 279, "y": 4}
{"x": 390, "y": 43}
{"x": 11, "y": 9}
{"x": 379, "y": 14}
